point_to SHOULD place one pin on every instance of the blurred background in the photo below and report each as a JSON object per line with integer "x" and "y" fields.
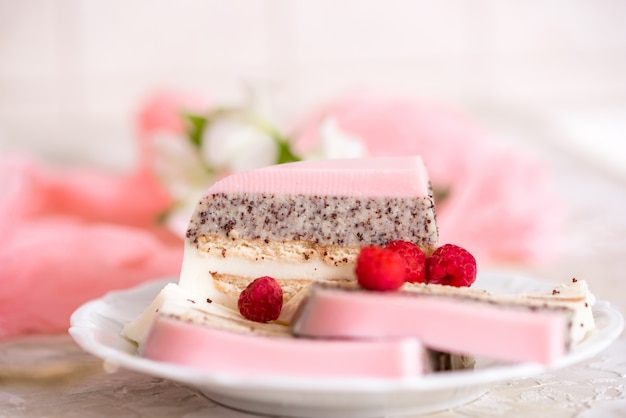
{"x": 548, "y": 76}
{"x": 544, "y": 75}
{"x": 73, "y": 72}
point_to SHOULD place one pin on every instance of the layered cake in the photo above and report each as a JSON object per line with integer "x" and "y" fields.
{"x": 304, "y": 221}
{"x": 341, "y": 330}
{"x": 344, "y": 255}
{"x": 539, "y": 327}
{"x": 298, "y": 223}
{"x": 186, "y": 330}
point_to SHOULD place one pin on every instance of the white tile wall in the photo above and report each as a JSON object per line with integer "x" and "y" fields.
{"x": 72, "y": 72}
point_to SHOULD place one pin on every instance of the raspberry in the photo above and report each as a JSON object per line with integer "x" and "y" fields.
{"x": 261, "y": 300}
{"x": 451, "y": 265}
{"x": 414, "y": 258}
{"x": 380, "y": 269}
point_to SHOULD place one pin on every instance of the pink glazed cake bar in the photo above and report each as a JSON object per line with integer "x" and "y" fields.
{"x": 182, "y": 329}
{"x": 538, "y": 327}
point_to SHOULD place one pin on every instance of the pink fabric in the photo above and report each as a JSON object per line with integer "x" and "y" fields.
{"x": 443, "y": 136}
{"x": 501, "y": 203}
{"x": 69, "y": 236}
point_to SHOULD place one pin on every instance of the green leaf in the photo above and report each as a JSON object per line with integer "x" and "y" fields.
{"x": 196, "y": 127}
{"x": 285, "y": 154}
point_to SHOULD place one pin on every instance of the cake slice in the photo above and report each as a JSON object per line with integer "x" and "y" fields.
{"x": 304, "y": 225}
{"x": 539, "y": 327}
{"x": 298, "y": 223}
{"x": 186, "y": 330}
{"x": 304, "y": 221}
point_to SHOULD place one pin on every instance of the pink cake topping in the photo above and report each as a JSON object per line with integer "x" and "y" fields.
{"x": 492, "y": 330}
{"x": 382, "y": 176}
{"x": 217, "y": 351}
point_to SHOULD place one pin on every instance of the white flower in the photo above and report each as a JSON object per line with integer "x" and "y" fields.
{"x": 336, "y": 143}
{"x": 178, "y": 166}
{"x": 233, "y": 144}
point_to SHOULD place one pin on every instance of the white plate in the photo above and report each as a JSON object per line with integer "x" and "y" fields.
{"x": 96, "y": 328}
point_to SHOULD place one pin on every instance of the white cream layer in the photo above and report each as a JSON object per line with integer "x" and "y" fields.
{"x": 180, "y": 303}
{"x": 197, "y": 266}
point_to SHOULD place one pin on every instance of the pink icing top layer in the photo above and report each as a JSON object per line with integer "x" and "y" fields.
{"x": 219, "y": 351}
{"x": 369, "y": 177}
{"x": 482, "y": 329}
